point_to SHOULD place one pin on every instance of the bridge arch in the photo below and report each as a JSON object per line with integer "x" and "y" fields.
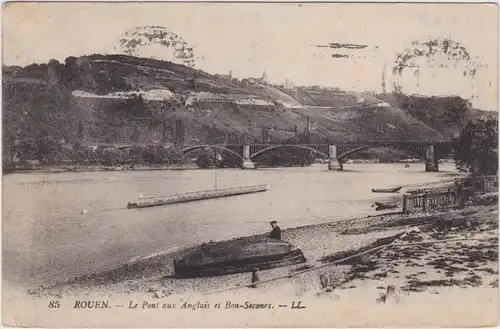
{"x": 275, "y": 147}
{"x": 222, "y": 148}
{"x": 420, "y": 150}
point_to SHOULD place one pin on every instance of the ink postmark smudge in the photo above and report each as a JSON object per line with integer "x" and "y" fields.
{"x": 135, "y": 41}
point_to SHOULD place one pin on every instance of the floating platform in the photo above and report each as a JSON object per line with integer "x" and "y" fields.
{"x": 152, "y": 201}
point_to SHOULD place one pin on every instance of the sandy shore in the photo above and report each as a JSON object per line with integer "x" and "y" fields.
{"x": 152, "y": 276}
{"x": 438, "y": 268}
{"x": 322, "y": 244}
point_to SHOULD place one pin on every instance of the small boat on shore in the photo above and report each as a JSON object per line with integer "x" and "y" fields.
{"x": 230, "y": 257}
{"x": 384, "y": 205}
{"x": 387, "y": 190}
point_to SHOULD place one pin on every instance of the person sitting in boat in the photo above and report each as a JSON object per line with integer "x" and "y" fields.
{"x": 276, "y": 231}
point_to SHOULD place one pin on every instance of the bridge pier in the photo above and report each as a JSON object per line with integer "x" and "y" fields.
{"x": 247, "y": 163}
{"x": 333, "y": 162}
{"x": 431, "y": 161}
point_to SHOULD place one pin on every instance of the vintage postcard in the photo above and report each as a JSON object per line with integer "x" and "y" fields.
{"x": 249, "y": 164}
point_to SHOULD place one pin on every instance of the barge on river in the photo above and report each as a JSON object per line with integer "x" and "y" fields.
{"x": 152, "y": 201}
{"x": 387, "y": 190}
{"x": 230, "y": 257}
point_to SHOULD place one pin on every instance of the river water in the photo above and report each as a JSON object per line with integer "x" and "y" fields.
{"x": 46, "y": 238}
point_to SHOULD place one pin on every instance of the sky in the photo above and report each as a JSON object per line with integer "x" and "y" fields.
{"x": 280, "y": 39}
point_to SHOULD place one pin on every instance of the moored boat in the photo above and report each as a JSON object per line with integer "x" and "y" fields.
{"x": 383, "y": 205}
{"x": 386, "y": 190}
{"x": 230, "y": 257}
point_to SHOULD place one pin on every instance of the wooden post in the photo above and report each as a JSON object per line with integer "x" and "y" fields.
{"x": 255, "y": 277}
{"x": 424, "y": 199}
{"x": 405, "y": 204}
{"x": 392, "y": 294}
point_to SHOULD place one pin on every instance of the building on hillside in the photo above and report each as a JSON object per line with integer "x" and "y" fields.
{"x": 227, "y": 77}
{"x": 242, "y": 99}
{"x": 264, "y": 77}
{"x": 288, "y": 84}
{"x": 254, "y": 80}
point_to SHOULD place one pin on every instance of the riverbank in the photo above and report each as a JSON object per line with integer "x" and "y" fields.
{"x": 119, "y": 168}
{"x": 95, "y": 168}
{"x": 435, "y": 269}
{"x": 321, "y": 244}
{"x": 100, "y": 168}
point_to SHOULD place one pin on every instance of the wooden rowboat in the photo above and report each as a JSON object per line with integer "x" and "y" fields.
{"x": 387, "y": 190}
{"x": 228, "y": 258}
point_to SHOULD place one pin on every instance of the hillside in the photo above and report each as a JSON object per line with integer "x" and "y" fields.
{"x": 124, "y": 99}
{"x": 444, "y": 114}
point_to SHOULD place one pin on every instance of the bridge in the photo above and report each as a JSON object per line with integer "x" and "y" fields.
{"x": 335, "y": 153}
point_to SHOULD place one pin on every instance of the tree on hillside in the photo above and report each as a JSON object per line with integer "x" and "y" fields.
{"x": 228, "y": 160}
{"x": 110, "y": 156}
{"x": 476, "y": 149}
{"x": 447, "y": 110}
{"x": 205, "y": 158}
